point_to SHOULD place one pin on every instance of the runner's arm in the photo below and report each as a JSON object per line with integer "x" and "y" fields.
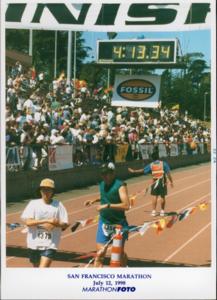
{"x": 62, "y": 225}
{"x": 124, "y": 205}
{"x": 33, "y": 222}
{"x": 138, "y": 171}
{"x": 90, "y": 202}
{"x": 170, "y": 178}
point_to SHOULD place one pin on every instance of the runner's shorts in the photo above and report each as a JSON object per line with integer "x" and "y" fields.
{"x": 106, "y": 231}
{"x": 159, "y": 188}
{"x": 36, "y": 254}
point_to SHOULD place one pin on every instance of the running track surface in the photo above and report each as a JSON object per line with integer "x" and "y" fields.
{"x": 174, "y": 247}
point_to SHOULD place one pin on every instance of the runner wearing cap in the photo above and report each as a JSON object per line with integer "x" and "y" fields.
{"x": 114, "y": 201}
{"x": 46, "y": 218}
{"x": 160, "y": 171}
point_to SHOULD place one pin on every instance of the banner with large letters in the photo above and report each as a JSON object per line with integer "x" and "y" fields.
{"x": 60, "y": 157}
{"x": 108, "y": 16}
{"x": 136, "y": 91}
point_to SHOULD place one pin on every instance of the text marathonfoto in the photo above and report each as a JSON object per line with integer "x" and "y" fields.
{"x": 108, "y": 276}
{"x": 109, "y": 289}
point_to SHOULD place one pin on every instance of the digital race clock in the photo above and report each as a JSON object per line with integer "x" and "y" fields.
{"x": 147, "y": 51}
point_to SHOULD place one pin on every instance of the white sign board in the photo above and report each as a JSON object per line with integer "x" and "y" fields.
{"x": 60, "y": 157}
{"x": 136, "y": 91}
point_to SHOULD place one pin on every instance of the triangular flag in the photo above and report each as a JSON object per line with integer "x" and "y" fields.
{"x": 144, "y": 228}
{"x": 158, "y": 227}
{"x": 172, "y": 221}
{"x": 131, "y": 228}
{"x": 162, "y": 223}
{"x": 203, "y": 206}
{"x": 183, "y": 215}
{"x": 86, "y": 222}
{"x": 192, "y": 210}
{"x": 186, "y": 213}
{"x": 75, "y": 226}
{"x": 83, "y": 222}
{"x": 12, "y": 226}
{"x": 154, "y": 225}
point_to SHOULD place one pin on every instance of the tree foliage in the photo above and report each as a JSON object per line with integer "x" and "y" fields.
{"x": 43, "y": 48}
{"x": 188, "y": 87}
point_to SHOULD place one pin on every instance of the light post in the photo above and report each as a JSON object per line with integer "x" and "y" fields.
{"x": 69, "y": 57}
{"x": 75, "y": 56}
{"x": 30, "y": 42}
{"x": 55, "y": 54}
{"x": 204, "y": 106}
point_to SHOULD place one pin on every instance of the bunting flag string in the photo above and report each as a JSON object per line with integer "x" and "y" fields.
{"x": 146, "y": 191}
{"x": 170, "y": 220}
{"x": 159, "y": 225}
{"x": 133, "y": 197}
{"x": 84, "y": 223}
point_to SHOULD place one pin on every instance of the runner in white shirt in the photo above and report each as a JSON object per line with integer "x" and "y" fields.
{"x": 45, "y": 218}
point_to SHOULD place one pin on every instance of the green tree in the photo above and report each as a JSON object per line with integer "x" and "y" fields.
{"x": 94, "y": 74}
{"x": 17, "y": 40}
{"x": 43, "y": 48}
{"x": 187, "y": 87}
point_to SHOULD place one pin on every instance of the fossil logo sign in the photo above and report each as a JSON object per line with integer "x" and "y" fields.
{"x": 136, "y": 89}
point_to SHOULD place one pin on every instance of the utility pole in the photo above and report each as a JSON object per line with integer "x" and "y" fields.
{"x": 69, "y": 57}
{"x": 204, "y": 106}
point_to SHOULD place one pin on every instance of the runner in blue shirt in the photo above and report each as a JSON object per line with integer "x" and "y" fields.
{"x": 114, "y": 201}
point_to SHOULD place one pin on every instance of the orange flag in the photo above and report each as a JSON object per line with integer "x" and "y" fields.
{"x": 203, "y": 206}
{"x": 158, "y": 227}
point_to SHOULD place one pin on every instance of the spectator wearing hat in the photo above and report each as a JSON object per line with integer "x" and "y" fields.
{"x": 109, "y": 149}
{"x": 45, "y": 218}
{"x": 114, "y": 201}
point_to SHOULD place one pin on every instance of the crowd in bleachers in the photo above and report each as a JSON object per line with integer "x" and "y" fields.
{"x": 41, "y": 113}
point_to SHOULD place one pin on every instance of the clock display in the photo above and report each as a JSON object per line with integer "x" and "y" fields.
{"x": 137, "y": 52}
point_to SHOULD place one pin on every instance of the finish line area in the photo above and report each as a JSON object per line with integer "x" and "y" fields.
{"x": 175, "y": 246}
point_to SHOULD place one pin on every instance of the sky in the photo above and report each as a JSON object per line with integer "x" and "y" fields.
{"x": 190, "y": 41}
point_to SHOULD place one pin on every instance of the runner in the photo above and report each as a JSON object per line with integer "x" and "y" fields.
{"x": 160, "y": 171}
{"x": 46, "y": 218}
{"x": 114, "y": 201}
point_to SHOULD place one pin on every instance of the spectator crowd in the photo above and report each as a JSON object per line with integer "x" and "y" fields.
{"x": 40, "y": 113}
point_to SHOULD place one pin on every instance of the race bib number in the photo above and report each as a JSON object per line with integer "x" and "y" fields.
{"x": 43, "y": 237}
{"x": 108, "y": 229}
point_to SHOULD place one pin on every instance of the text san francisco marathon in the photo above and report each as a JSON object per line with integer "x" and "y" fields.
{"x": 109, "y": 276}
